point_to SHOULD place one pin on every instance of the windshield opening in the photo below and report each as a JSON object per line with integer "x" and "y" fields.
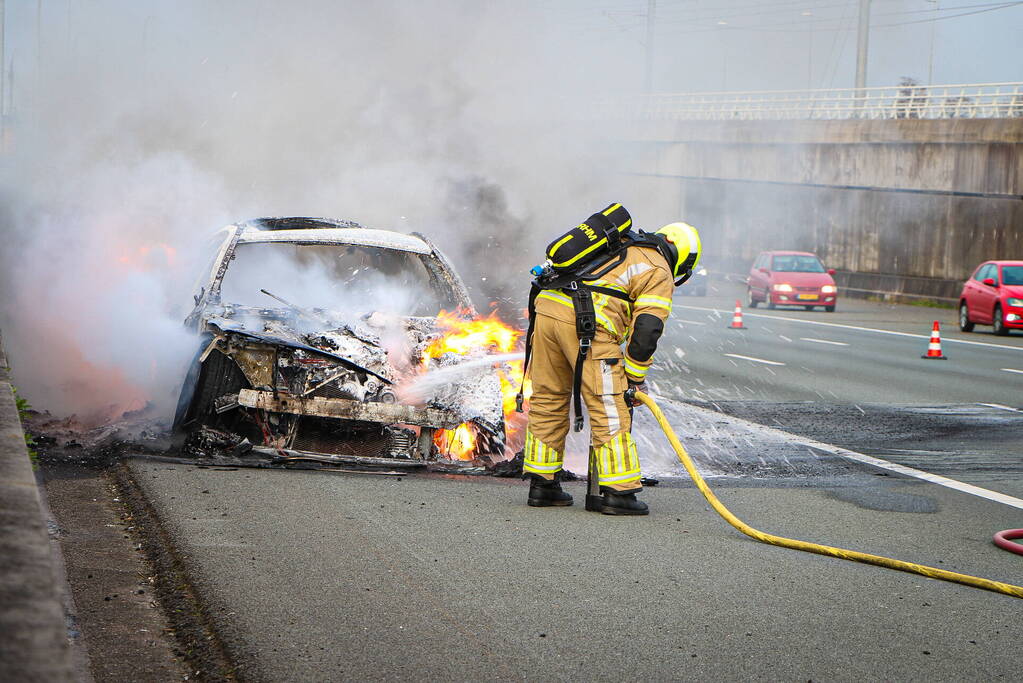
{"x": 334, "y": 277}
{"x": 795, "y": 263}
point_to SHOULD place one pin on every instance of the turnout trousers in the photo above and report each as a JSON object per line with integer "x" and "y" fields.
{"x": 551, "y": 370}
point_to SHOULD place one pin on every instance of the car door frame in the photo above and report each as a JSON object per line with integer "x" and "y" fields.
{"x": 209, "y": 284}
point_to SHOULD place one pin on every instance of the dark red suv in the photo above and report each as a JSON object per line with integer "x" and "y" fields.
{"x": 993, "y": 296}
{"x": 790, "y": 278}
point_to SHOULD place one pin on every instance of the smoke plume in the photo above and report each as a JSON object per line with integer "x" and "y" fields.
{"x": 147, "y": 126}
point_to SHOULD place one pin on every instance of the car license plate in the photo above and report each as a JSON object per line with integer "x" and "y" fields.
{"x": 807, "y": 296}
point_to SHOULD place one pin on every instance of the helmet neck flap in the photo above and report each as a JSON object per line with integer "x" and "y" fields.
{"x": 679, "y": 271}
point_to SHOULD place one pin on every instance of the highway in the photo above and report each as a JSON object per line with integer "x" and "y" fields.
{"x": 863, "y": 352}
{"x": 328, "y": 576}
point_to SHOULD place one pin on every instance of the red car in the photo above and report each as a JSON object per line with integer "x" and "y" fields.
{"x": 791, "y": 278}
{"x": 993, "y": 296}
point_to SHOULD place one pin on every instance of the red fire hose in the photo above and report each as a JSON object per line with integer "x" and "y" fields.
{"x": 1003, "y": 539}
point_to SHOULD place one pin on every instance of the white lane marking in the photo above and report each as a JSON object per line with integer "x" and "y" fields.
{"x": 755, "y": 360}
{"x": 1012, "y": 370}
{"x": 688, "y": 322}
{"x": 823, "y": 341}
{"x": 857, "y": 327}
{"x": 1001, "y": 407}
{"x": 960, "y": 486}
{"x": 920, "y": 474}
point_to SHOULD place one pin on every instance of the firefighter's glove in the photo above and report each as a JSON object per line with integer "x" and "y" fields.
{"x": 630, "y": 393}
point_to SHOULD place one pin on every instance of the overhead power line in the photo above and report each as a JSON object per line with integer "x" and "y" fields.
{"x": 811, "y": 25}
{"x": 636, "y": 18}
{"x": 953, "y": 16}
{"x": 701, "y": 22}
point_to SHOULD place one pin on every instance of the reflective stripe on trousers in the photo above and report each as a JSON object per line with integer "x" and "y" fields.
{"x": 539, "y": 458}
{"x": 618, "y": 462}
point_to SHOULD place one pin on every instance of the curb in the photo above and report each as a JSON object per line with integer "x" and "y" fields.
{"x": 33, "y": 636}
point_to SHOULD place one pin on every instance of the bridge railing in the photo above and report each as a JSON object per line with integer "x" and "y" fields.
{"x": 912, "y": 101}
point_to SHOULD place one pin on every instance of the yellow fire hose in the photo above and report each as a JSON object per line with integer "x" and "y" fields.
{"x": 931, "y": 572}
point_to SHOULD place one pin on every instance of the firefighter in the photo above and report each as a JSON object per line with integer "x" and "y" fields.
{"x": 647, "y": 275}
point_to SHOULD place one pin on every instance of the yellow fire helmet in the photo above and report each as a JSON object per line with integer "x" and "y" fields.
{"x": 685, "y": 243}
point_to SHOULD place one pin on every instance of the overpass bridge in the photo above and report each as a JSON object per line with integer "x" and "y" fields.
{"x": 904, "y": 190}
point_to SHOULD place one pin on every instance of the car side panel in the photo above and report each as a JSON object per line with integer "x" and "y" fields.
{"x": 969, "y": 296}
{"x": 986, "y": 297}
{"x": 757, "y": 280}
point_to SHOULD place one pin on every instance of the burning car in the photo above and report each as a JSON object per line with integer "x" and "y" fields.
{"x": 324, "y": 340}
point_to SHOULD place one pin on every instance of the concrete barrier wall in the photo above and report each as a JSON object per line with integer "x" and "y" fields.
{"x": 33, "y": 635}
{"x": 906, "y": 205}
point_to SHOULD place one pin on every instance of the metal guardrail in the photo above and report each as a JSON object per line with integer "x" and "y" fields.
{"x": 908, "y": 101}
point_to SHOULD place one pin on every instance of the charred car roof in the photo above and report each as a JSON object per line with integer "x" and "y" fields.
{"x": 363, "y": 237}
{"x": 305, "y": 230}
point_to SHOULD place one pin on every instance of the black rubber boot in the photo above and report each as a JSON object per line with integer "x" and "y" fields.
{"x": 623, "y": 503}
{"x": 544, "y": 493}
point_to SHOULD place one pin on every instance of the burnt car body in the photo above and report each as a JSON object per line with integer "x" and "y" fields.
{"x": 310, "y": 329}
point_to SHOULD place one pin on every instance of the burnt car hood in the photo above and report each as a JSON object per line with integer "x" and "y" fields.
{"x": 281, "y": 337}
{"x": 474, "y": 394}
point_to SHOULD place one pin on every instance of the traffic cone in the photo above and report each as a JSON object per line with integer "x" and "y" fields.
{"x": 934, "y": 348}
{"x": 737, "y": 318}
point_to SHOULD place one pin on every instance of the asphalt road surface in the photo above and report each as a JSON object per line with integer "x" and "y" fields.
{"x": 864, "y": 352}
{"x": 855, "y": 378}
{"x": 319, "y": 576}
{"x": 313, "y": 576}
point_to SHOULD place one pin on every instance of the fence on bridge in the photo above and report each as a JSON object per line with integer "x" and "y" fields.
{"x": 907, "y": 101}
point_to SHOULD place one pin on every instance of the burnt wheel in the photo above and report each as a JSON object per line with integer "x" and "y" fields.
{"x": 964, "y": 318}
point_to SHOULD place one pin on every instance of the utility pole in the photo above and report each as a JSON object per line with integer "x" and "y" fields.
{"x": 3, "y": 84}
{"x": 651, "y": 14}
{"x": 930, "y": 58}
{"x": 39, "y": 42}
{"x": 863, "y": 38}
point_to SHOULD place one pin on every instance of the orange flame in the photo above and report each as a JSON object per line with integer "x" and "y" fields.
{"x": 458, "y": 443}
{"x": 460, "y": 335}
{"x": 148, "y": 257}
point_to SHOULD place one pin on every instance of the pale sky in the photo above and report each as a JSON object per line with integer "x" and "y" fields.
{"x": 699, "y": 45}
{"x": 707, "y": 45}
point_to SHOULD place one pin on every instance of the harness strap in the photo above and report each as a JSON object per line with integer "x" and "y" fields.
{"x": 586, "y": 330}
{"x": 617, "y": 293}
{"x": 610, "y": 230}
{"x": 577, "y": 382}
{"x": 534, "y": 291}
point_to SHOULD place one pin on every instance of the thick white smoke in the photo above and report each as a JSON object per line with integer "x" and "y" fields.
{"x": 149, "y": 125}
